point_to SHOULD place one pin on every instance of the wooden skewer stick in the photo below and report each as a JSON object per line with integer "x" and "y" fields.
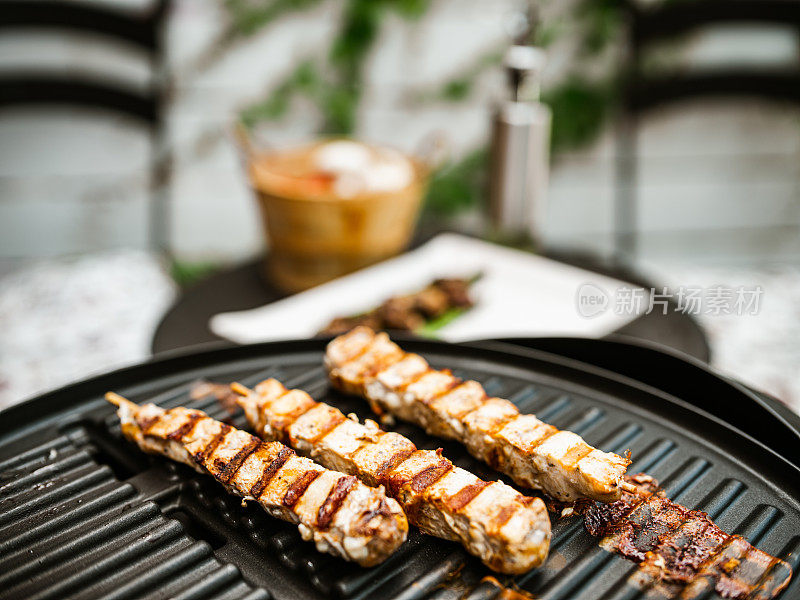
{"x": 119, "y": 401}
{"x": 626, "y": 486}
{"x": 238, "y": 388}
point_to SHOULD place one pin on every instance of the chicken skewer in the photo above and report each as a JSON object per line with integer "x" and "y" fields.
{"x": 340, "y": 514}
{"x": 534, "y": 454}
{"x": 509, "y": 532}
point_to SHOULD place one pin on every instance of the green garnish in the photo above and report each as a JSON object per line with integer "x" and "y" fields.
{"x": 431, "y": 327}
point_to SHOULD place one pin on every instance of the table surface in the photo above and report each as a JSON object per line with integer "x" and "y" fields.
{"x": 244, "y": 287}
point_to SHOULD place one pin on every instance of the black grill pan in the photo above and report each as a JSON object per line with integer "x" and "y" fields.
{"x": 84, "y": 514}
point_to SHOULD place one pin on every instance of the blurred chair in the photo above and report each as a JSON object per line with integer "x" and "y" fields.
{"x": 642, "y": 91}
{"x": 142, "y": 30}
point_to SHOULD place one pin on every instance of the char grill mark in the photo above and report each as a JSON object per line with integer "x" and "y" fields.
{"x": 436, "y": 495}
{"x": 430, "y": 475}
{"x": 533, "y": 454}
{"x": 575, "y": 454}
{"x": 683, "y": 551}
{"x": 361, "y": 351}
{"x": 186, "y": 428}
{"x": 467, "y": 494}
{"x": 269, "y": 472}
{"x": 497, "y": 426}
{"x": 370, "y": 530}
{"x": 334, "y": 500}
{"x": 451, "y": 385}
{"x": 414, "y": 379}
{"x": 282, "y": 424}
{"x": 382, "y": 509}
{"x": 329, "y": 426}
{"x": 503, "y": 515}
{"x": 417, "y": 482}
{"x": 392, "y": 462}
{"x": 394, "y": 482}
{"x": 212, "y": 444}
{"x": 542, "y": 440}
{"x": 146, "y": 424}
{"x": 233, "y": 466}
{"x": 384, "y": 362}
{"x": 464, "y": 412}
{"x": 299, "y": 487}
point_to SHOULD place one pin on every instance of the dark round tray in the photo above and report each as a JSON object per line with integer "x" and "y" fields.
{"x": 83, "y": 513}
{"x": 244, "y": 287}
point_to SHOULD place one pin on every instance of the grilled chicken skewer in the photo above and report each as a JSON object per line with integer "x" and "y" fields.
{"x": 534, "y": 454}
{"x": 509, "y": 532}
{"x": 340, "y": 514}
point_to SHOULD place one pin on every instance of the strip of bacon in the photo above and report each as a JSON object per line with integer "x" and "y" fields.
{"x": 534, "y": 454}
{"x": 681, "y": 551}
{"x": 341, "y": 515}
{"x": 509, "y": 532}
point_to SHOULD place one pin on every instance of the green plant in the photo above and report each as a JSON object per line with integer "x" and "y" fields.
{"x": 458, "y": 185}
{"x": 185, "y": 273}
{"x": 580, "y": 109}
{"x": 337, "y": 93}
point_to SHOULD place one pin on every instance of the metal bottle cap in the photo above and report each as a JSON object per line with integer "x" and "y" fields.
{"x": 524, "y": 65}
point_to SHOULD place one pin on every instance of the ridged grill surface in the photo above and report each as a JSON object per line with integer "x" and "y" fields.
{"x": 70, "y": 527}
{"x": 84, "y": 514}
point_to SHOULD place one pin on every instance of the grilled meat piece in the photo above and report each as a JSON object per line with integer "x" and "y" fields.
{"x": 683, "y": 551}
{"x": 410, "y": 312}
{"x": 344, "y": 324}
{"x": 534, "y": 454}
{"x": 400, "y": 313}
{"x": 432, "y": 302}
{"x": 341, "y": 515}
{"x": 509, "y": 532}
{"x": 457, "y": 291}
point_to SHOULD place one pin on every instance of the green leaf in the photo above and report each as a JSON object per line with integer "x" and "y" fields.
{"x": 579, "y": 112}
{"x": 248, "y": 17}
{"x": 185, "y": 273}
{"x": 339, "y": 108}
{"x": 458, "y": 186}
{"x": 358, "y": 32}
{"x": 457, "y": 89}
{"x": 411, "y": 9}
{"x": 431, "y": 327}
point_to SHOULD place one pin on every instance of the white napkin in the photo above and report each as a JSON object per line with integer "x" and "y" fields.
{"x": 519, "y": 294}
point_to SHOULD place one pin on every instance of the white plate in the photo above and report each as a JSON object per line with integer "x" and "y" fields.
{"x": 519, "y": 294}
